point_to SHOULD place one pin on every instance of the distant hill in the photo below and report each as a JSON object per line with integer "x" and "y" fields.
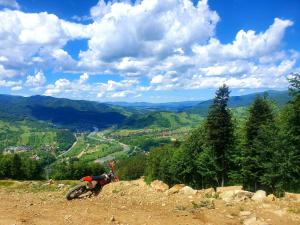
{"x": 168, "y": 106}
{"x": 162, "y": 120}
{"x": 75, "y": 114}
{"x": 279, "y": 97}
{"x": 85, "y": 115}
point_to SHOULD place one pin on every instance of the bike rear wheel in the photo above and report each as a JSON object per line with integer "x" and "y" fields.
{"x": 76, "y": 191}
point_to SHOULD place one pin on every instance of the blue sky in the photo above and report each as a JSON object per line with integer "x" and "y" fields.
{"x": 149, "y": 50}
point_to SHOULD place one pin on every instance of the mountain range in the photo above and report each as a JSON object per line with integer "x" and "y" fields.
{"x": 81, "y": 114}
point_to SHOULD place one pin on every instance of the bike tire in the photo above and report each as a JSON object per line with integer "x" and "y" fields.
{"x": 76, "y": 191}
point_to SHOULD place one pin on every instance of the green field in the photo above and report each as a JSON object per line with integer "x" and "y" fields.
{"x": 36, "y": 135}
{"x": 90, "y": 148}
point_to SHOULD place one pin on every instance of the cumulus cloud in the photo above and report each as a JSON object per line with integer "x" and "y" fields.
{"x": 178, "y": 45}
{"x": 247, "y": 44}
{"x": 4, "y": 73}
{"x": 77, "y": 88}
{"x": 13, "y": 85}
{"x": 83, "y": 89}
{"x": 37, "y": 80}
{"x": 150, "y": 29}
{"x": 31, "y": 39}
{"x": 170, "y": 43}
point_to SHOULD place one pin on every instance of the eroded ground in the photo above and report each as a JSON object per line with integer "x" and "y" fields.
{"x": 136, "y": 203}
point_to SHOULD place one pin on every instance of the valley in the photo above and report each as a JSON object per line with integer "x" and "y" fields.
{"x": 65, "y": 130}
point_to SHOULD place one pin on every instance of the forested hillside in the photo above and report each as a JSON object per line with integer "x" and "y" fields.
{"x": 259, "y": 149}
{"x": 278, "y": 97}
{"x": 73, "y": 114}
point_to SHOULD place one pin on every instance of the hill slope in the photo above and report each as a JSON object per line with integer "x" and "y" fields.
{"x": 75, "y": 114}
{"x": 85, "y": 115}
{"x": 279, "y": 97}
{"x": 135, "y": 203}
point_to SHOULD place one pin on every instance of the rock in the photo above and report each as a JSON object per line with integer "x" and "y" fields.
{"x": 159, "y": 185}
{"x": 206, "y": 192}
{"x": 60, "y": 186}
{"x": 230, "y": 216}
{"x": 292, "y": 196}
{"x": 112, "y": 219}
{"x": 253, "y": 220}
{"x": 259, "y": 196}
{"x": 67, "y": 217}
{"x": 229, "y": 188}
{"x": 250, "y": 221}
{"x": 271, "y": 198}
{"x": 50, "y": 181}
{"x": 176, "y": 188}
{"x": 187, "y": 191}
{"x": 245, "y": 213}
{"x": 235, "y": 195}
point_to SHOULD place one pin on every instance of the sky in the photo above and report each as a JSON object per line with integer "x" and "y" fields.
{"x": 147, "y": 50}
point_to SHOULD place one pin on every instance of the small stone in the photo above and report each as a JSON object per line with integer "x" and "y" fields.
{"x": 112, "y": 219}
{"x": 159, "y": 186}
{"x": 250, "y": 221}
{"x": 176, "y": 188}
{"x": 187, "y": 191}
{"x": 60, "y": 186}
{"x": 245, "y": 213}
{"x": 67, "y": 217}
{"x": 259, "y": 196}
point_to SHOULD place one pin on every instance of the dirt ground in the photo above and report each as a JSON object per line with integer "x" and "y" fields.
{"x": 135, "y": 203}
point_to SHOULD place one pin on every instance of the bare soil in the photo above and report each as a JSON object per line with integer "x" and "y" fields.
{"x": 135, "y": 203}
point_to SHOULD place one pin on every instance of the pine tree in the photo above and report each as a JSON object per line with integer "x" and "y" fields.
{"x": 220, "y": 129}
{"x": 261, "y": 115}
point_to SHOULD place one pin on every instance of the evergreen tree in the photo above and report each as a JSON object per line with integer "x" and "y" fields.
{"x": 220, "y": 129}
{"x": 289, "y": 166}
{"x": 16, "y": 167}
{"x": 261, "y": 115}
{"x": 158, "y": 164}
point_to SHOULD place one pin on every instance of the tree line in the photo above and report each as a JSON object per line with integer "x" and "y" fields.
{"x": 22, "y": 167}
{"x": 260, "y": 152}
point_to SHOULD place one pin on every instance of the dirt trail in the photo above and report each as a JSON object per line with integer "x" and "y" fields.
{"x": 133, "y": 203}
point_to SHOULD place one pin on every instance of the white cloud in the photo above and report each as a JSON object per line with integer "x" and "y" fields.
{"x": 30, "y": 40}
{"x": 121, "y": 94}
{"x": 11, "y": 84}
{"x": 76, "y": 88}
{"x": 16, "y": 88}
{"x": 157, "y": 79}
{"x": 171, "y": 43}
{"x": 10, "y": 3}
{"x": 246, "y": 45}
{"x": 36, "y": 80}
{"x": 83, "y": 78}
{"x": 4, "y": 73}
{"x": 61, "y": 85}
{"x": 150, "y": 29}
